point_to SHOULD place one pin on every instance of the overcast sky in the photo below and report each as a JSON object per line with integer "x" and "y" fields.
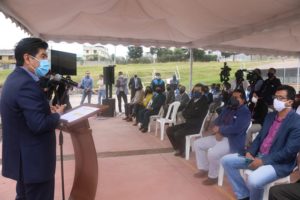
{"x": 10, "y": 34}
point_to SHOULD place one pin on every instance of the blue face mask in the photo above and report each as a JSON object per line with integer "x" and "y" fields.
{"x": 197, "y": 95}
{"x": 43, "y": 68}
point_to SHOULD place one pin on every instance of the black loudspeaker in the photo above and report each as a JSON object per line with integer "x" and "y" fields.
{"x": 110, "y": 112}
{"x": 109, "y": 74}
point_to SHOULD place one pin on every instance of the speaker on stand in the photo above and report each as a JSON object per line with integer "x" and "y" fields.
{"x": 109, "y": 80}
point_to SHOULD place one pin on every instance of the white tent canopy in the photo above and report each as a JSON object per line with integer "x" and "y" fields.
{"x": 256, "y": 26}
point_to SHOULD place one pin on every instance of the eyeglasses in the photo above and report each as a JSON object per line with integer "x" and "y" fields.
{"x": 280, "y": 98}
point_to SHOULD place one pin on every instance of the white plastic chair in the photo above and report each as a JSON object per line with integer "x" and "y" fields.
{"x": 221, "y": 169}
{"x": 190, "y": 138}
{"x": 286, "y": 179}
{"x": 155, "y": 117}
{"x": 169, "y": 119}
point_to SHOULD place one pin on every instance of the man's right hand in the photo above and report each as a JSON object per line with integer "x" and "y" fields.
{"x": 58, "y": 109}
{"x": 248, "y": 155}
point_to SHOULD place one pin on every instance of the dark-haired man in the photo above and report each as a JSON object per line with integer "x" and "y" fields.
{"x": 153, "y": 108}
{"x": 193, "y": 113}
{"x": 269, "y": 86}
{"x": 29, "y": 144}
{"x": 272, "y": 154}
{"x": 229, "y": 134}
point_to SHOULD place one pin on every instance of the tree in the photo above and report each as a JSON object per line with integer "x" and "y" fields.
{"x": 153, "y": 51}
{"x": 198, "y": 54}
{"x": 226, "y": 54}
{"x": 135, "y": 52}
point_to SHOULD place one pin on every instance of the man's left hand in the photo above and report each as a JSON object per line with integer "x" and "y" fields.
{"x": 216, "y": 129}
{"x": 256, "y": 163}
{"x": 219, "y": 136}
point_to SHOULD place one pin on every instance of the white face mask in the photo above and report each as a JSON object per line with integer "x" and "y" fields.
{"x": 279, "y": 105}
{"x": 254, "y": 99}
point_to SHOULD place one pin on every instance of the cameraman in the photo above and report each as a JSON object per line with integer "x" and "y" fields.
{"x": 239, "y": 83}
{"x": 61, "y": 94}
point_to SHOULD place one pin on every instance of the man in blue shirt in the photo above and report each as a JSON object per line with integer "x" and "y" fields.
{"x": 28, "y": 123}
{"x": 229, "y": 135}
{"x": 87, "y": 86}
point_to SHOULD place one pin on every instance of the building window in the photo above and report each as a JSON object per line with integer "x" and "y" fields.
{"x": 0, "y": 57}
{"x": 87, "y": 51}
{"x": 95, "y": 51}
{"x": 10, "y": 57}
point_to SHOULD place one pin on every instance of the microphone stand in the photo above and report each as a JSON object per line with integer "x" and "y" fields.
{"x": 61, "y": 141}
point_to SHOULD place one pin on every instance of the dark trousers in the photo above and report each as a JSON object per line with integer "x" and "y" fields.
{"x": 128, "y": 109}
{"x": 285, "y": 192}
{"x": 124, "y": 96}
{"x": 35, "y": 191}
{"x": 176, "y": 135}
{"x": 144, "y": 117}
{"x": 132, "y": 93}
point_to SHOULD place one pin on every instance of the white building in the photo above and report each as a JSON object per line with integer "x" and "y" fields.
{"x": 96, "y": 50}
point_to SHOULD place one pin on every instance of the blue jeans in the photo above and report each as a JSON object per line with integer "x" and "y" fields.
{"x": 101, "y": 96}
{"x": 254, "y": 187}
{"x": 84, "y": 94}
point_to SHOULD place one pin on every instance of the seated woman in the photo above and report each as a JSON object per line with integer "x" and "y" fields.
{"x": 139, "y": 107}
{"x": 259, "y": 110}
{"x": 135, "y": 101}
{"x": 152, "y": 109}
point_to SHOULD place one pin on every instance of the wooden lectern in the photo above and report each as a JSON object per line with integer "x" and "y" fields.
{"x": 76, "y": 123}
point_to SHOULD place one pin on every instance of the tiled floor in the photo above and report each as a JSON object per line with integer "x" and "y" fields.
{"x": 133, "y": 166}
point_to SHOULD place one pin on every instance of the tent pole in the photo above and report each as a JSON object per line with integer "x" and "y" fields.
{"x": 284, "y": 74}
{"x": 298, "y": 68}
{"x": 191, "y": 69}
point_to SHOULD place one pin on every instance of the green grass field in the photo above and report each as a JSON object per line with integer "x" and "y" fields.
{"x": 204, "y": 72}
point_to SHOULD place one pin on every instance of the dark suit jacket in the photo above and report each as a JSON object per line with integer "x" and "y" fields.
{"x": 269, "y": 88}
{"x": 195, "y": 112}
{"x": 286, "y": 144}
{"x": 259, "y": 111}
{"x": 29, "y": 142}
{"x": 132, "y": 85}
{"x": 233, "y": 124}
{"x": 158, "y": 100}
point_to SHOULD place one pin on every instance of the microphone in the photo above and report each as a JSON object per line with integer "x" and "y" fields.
{"x": 60, "y": 78}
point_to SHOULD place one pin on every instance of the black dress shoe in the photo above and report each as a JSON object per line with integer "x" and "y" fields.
{"x": 210, "y": 181}
{"x": 247, "y": 198}
{"x": 201, "y": 174}
{"x": 178, "y": 154}
{"x": 144, "y": 130}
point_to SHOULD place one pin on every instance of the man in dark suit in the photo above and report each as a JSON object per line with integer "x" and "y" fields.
{"x": 272, "y": 154}
{"x": 29, "y": 144}
{"x": 134, "y": 83}
{"x": 194, "y": 113}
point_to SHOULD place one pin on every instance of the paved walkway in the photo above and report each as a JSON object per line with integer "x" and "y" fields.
{"x": 133, "y": 165}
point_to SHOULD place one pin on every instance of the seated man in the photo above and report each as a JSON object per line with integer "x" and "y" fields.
{"x": 285, "y": 191}
{"x": 182, "y": 97}
{"x": 194, "y": 114}
{"x": 170, "y": 98}
{"x": 272, "y": 155}
{"x": 157, "y": 101}
{"x": 135, "y": 101}
{"x": 229, "y": 136}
